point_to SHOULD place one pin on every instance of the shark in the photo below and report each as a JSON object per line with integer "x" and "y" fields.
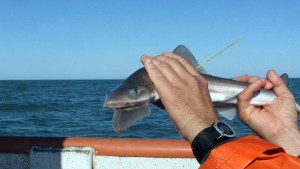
{"x": 130, "y": 100}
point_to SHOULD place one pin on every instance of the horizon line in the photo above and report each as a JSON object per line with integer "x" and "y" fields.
{"x": 52, "y": 79}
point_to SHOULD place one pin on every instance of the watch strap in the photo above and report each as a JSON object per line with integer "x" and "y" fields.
{"x": 205, "y": 141}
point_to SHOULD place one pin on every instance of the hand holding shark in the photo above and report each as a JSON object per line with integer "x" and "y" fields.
{"x": 275, "y": 122}
{"x": 183, "y": 92}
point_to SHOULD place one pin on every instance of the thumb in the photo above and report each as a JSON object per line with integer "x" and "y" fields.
{"x": 244, "y": 99}
{"x": 279, "y": 86}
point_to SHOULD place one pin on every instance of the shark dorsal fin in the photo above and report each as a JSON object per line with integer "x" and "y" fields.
{"x": 285, "y": 78}
{"x": 184, "y": 52}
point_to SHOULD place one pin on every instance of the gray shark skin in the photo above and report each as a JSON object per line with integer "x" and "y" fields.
{"x": 131, "y": 98}
{"x": 136, "y": 91}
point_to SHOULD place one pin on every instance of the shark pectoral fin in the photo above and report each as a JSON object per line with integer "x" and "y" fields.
{"x": 125, "y": 118}
{"x": 222, "y": 97}
{"x": 227, "y": 112}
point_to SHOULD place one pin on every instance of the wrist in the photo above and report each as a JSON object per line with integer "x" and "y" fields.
{"x": 287, "y": 137}
{"x": 290, "y": 142}
{"x": 210, "y": 138}
{"x": 195, "y": 128}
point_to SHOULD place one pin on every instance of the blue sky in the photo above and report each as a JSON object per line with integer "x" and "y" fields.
{"x": 103, "y": 39}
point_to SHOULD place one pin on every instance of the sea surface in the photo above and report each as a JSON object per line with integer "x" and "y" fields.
{"x": 73, "y": 108}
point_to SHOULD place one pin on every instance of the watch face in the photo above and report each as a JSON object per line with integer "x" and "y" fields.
{"x": 225, "y": 129}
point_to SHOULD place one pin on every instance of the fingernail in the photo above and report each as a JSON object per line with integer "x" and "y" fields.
{"x": 143, "y": 58}
{"x": 268, "y": 85}
{"x": 146, "y": 59}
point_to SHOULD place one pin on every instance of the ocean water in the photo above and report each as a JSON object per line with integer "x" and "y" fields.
{"x": 73, "y": 108}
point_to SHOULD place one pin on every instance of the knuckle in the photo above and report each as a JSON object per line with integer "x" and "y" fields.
{"x": 253, "y": 79}
{"x": 173, "y": 61}
{"x": 159, "y": 57}
{"x": 163, "y": 65}
{"x": 241, "y": 97}
{"x": 198, "y": 81}
{"x": 194, "y": 81}
{"x": 202, "y": 79}
{"x": 187, "y": 62}
{"x": 150, "y": 68}
{"x": 167, "y": 53}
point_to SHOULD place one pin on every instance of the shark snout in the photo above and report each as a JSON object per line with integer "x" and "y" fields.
{"x": 110, "y": 101}
{"x": 126, "y": 97}
{"x": 108, "y": 104}
{"x": 115, "y": 101}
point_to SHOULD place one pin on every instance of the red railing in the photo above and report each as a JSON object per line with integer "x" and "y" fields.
{"x": 103, "y": 146}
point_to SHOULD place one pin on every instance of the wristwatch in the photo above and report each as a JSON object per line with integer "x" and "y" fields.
{"x": 211, "y": 137}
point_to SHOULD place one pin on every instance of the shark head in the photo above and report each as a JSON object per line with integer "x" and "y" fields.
{"x": 136, "y": 91}
{"x": 131, "y": 98}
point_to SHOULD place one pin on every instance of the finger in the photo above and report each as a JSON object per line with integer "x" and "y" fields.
{"x": 168, "y": 71}
{"x": 268, "y": 85}
{"x": 187, "y": 64}
{"x": 143, "y": 58}
{"x": 243, "y": 78}
{"x": 245, "y": 96}
{"x": 176, "y": 65}
{"x": 279, "y": 86}
{"x": 253, "y": 79}
{"x": 249, "y": 91}
{"x": 158, "y": 79}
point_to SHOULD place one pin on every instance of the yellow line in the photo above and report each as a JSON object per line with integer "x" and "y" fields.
{"x": 217, "y": 54}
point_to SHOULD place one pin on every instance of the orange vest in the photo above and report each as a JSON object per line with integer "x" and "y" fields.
{"x": 250, "y": 152}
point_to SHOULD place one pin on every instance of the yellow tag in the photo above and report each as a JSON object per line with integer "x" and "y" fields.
{"x": 217, "y": 54}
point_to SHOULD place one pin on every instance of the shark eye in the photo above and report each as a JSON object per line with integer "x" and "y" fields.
{"x": 137, "y": 91}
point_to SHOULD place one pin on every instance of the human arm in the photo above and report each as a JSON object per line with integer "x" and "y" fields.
{"x": 183, "y": 92}
{"x": 185, "y": 96}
